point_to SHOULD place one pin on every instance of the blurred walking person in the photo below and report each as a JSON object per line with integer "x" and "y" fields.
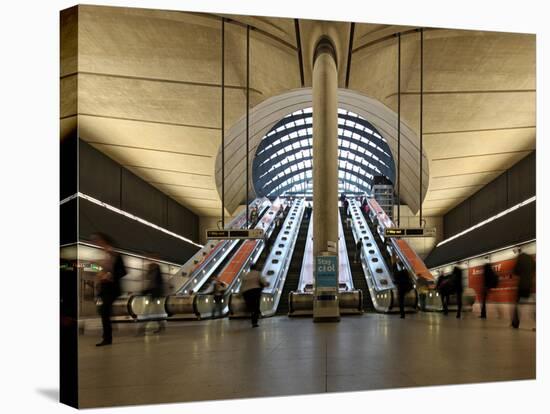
{"x": 458, "y": 289}
{"x": 157, "y": 288}
{"x": 404, "y": 285}
{"x": 251, "y": 289}
{"x": 219, "y": 289}
{"x": 444, "y": 288}
{"x": 108, "y": 281}
{"x": 524, "y": 270}
{"x": 490, "y": 281}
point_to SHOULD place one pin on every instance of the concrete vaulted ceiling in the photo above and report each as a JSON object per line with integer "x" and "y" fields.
{"x": 143, "y": 86}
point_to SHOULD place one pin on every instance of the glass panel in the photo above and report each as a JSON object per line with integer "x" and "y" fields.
{"x": 291, "y": 165}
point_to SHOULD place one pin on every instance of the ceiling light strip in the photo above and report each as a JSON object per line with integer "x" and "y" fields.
{"x": 130, "y": 216}
{"x": 66, "y": 200}
{"x": 478, "y": 225}
{"x": 480, "y": 255}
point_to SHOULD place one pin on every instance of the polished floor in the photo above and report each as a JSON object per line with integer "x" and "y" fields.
{"x": 223, "y": 359}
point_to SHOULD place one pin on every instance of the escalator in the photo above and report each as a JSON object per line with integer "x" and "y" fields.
{"x": 274, "y": 265}
{"x": 260, "y": 262}
{"x": 359, "y": 281}
{"x": 249, "y": 252}
{"x": 194, "y": 276}
{"x": 376, "y": 267}
{"x": 378, "y": 220}
{"x": 301, "y": 300}
{"x": 208, "y": 285}
{"x": 267, "y": 249}
{"x": 421, "y": 276}
{"x": 203, "y": 275}
{"x": 293, "y": 275}
{"x": 198, "y": 269}
{"x": 376, "y": 235}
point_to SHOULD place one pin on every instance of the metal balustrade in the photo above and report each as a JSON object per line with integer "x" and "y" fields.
{"x": 183, "y": 302}
{"x": 377, "y": 273}
{"x": 276, "y": 266}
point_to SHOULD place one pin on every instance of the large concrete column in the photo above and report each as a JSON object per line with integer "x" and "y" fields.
{"x": 325, "y": 147}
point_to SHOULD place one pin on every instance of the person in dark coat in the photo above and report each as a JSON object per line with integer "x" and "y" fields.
{"x": 280, "y": 217}
{"x": 156, "y": 281}
{"x": 307, "y": 212}
{"x": 444, "y": 288}
{"x": 358, "y": 250}
{"x": 342, "y": 199}
{"x": 458, "y": 289}
{"x": 365, "y": 207}
{"x": 524, "y": 270}
{"x": 156, "y": 288}
{"x": 108, "y": 281}
{"x": 251, "y": 289}
{"x": 287, "y": 208}
{"x": 366, "y": 210}
{"x": 403, "y": 283}
{"x": 489, "y": 281}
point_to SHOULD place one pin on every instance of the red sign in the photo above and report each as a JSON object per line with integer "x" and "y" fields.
{"x": 506, "y": 291}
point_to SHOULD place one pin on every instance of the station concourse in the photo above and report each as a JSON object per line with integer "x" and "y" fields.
{"x": 377, "y": 176}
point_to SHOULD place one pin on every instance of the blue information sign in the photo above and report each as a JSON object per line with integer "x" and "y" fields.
{"x": 326, "y": 271}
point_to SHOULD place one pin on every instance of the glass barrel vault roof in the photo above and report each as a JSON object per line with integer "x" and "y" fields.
{"x": 283, "y": 161}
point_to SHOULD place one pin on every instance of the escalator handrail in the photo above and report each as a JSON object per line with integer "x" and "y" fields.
{"x": 228, "y": 244}
{"x": 208, "y": 267}
{"x": 308, "y": 244}
{"x": 239, "y": 221}
{"x": 286, "y": 256}
{"x": 255, "y": 252}
{"x": 385, "y": 222}
{"x": 344, "y": 259}
{"x": 259, "y": 244}
{"x": 274, "y": 291}
{"x": 356, "y": 225}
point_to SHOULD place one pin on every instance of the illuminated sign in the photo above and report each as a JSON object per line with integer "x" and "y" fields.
{"x": 394, "y": 232}
{"x": 409, "y": 232}
{"x": 235, "y": 234}
{"x": 217, "y": 234}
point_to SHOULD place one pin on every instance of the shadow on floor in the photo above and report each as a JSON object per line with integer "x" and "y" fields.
{"x": 51, "y": 394}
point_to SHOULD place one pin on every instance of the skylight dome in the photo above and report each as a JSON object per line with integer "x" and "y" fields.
{"x": 283, "y": 162}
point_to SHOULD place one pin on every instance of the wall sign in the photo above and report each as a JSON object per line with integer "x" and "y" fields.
{"x": 326, "y": 273}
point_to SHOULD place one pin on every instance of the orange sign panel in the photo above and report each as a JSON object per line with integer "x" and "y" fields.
{"x": 506, "y": 291}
